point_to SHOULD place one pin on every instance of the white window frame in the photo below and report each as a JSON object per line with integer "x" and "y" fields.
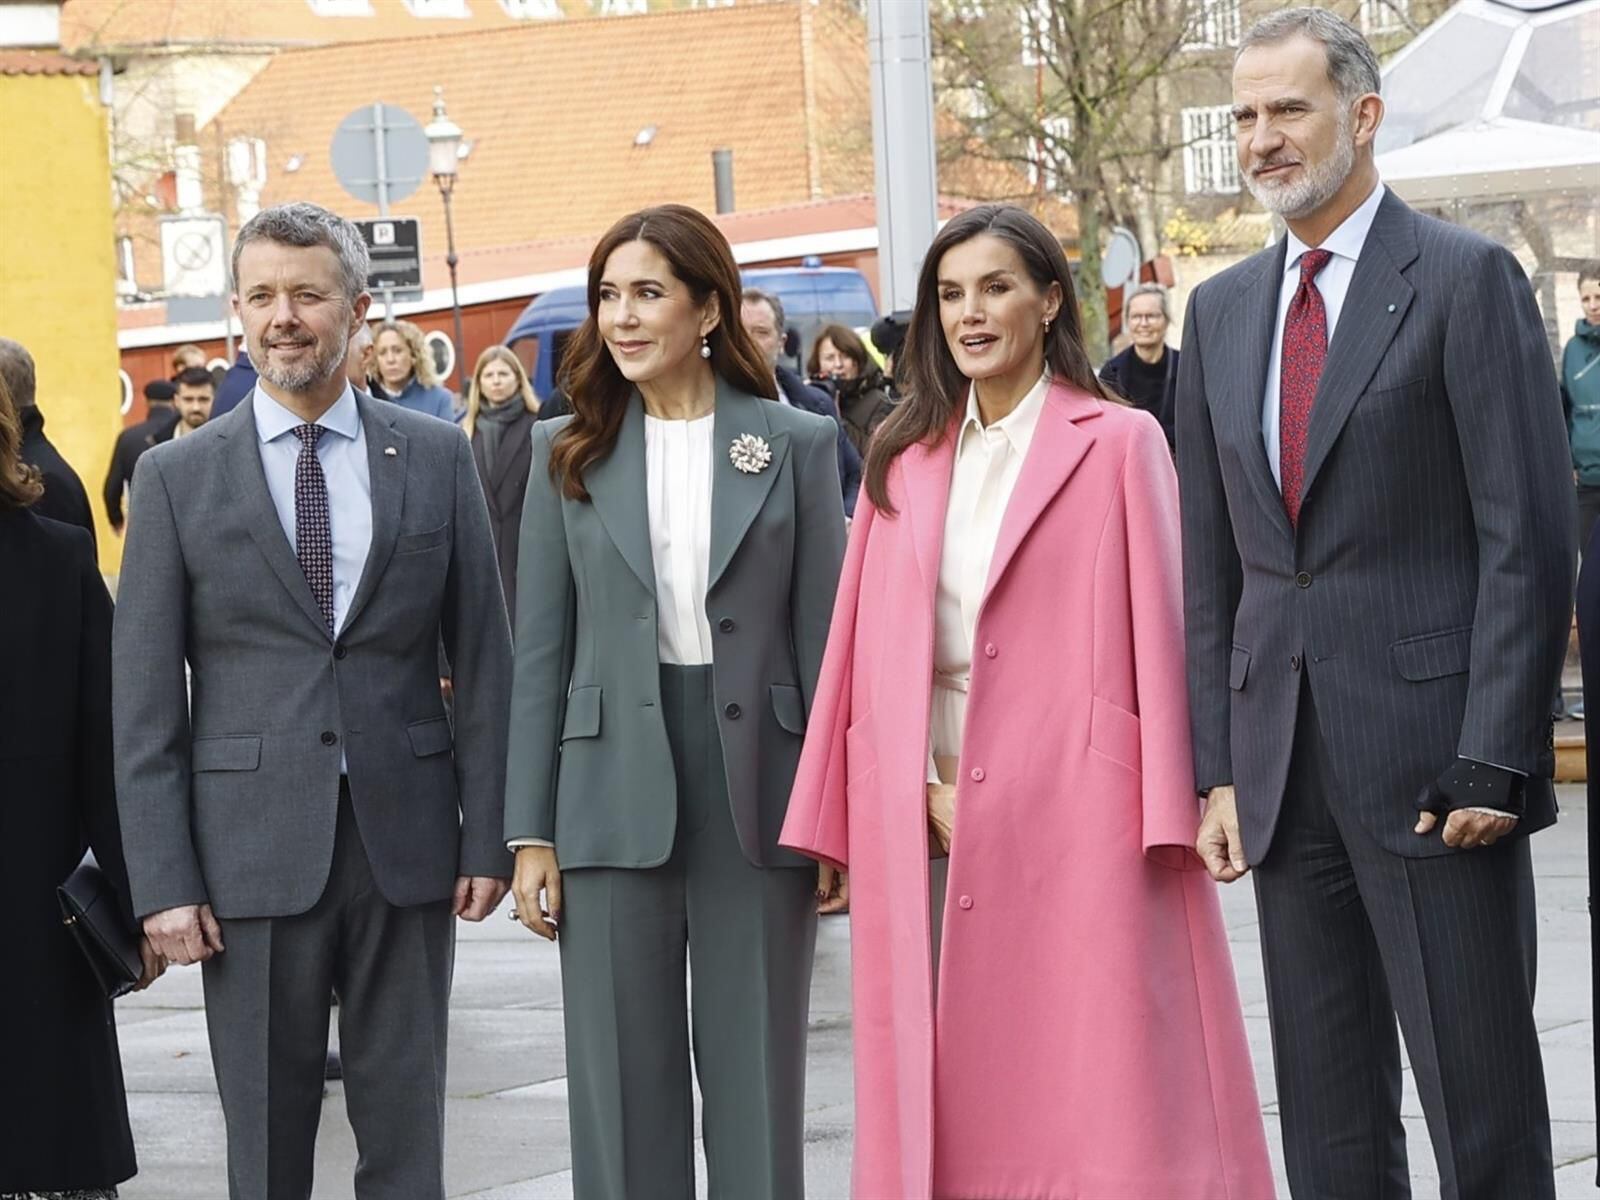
{"x": 965, "y": 10}
{"x": 1034, "y": 18}
{"x": 533, "y": 10}
{"x": 440, "y": 337}
{"x": 341, "y": 8}
{"x": 1058, "y": 129}
{"x": 1210, "y": 155}
{"x": 1219, "y": 26}
{"x": 1384, "y": 16}
{"x": 448, "y": 10}
{"x": 623, "y": 8}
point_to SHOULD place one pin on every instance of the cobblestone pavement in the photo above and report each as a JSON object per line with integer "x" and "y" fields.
{"x": 507, "y": 1111}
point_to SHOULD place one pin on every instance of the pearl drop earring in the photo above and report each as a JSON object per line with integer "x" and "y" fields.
{"x": 705, "y": 348}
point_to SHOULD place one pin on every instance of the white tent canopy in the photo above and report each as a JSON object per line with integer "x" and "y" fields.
{"x": 1493, "y": 101}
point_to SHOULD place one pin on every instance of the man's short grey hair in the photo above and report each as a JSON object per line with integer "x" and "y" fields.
{"x": 304, "y": 224}
{"x": 1352, "y": 66}
{"x": 757, "y": 296}
{"x": 1148, "y": 289}
{"x": 17, "y": 373}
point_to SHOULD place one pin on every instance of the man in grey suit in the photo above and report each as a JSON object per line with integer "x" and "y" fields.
{"x": 308, "y": 821}
{"x": 1377, "y": 571}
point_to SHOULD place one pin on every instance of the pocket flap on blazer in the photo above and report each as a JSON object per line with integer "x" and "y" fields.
{"x": 583, "y": 714}
{"x": 1114, "y": 732}
{"x": 789, "y": 707}
{"x": 411, "y": 543}
{"x": 1238, "y": 668}
{"x": 429, "y": 737}
{"x": 1433, "y": 655}
{"x": 241, "y": 753}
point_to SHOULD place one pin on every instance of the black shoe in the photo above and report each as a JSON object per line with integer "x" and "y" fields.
{"x": 333, "y": 1068}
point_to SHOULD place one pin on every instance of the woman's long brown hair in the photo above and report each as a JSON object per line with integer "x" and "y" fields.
{"x": 598, "y": 392}
{"x": 934, "y": 386}
{"x": 19, "y": 483}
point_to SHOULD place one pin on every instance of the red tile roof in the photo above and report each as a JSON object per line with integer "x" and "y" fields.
{"x": 43, "y": 62}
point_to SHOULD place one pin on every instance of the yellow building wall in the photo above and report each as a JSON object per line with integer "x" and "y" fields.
{"x": 58, "y": 268}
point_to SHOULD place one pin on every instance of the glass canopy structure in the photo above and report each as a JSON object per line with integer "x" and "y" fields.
{"x": 1496, "y": 100}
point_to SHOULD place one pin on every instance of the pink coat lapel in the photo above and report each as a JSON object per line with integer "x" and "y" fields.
{"x": 925, "y": 473}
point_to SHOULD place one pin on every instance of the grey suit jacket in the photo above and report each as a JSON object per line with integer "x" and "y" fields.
{"x": 590, "y": 768}
{"x": 1427, "y": 594}
{"x": 236, "y": 804}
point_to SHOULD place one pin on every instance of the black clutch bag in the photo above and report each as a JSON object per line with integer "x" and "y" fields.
{"x": 89, "y": 908}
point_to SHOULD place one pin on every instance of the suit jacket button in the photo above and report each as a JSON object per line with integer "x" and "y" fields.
{"x": 990, "y": 650}
{"x": 1294, "y": 662}
{"x": 1302, "y": 580}
{"x": 726, "y": 625}
{"x": 733, "y": 711}
{"x": 977, "y": 774}
{"x": 965, "y": 902}
{"x": 329, "y": 737}
{"x": 338, "y": 650}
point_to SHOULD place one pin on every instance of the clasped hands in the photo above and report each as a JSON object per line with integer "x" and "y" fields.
{"x": 1466, "y": 827}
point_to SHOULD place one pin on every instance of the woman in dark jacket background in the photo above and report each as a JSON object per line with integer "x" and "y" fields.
{"x": 501, "y": 410}
{"x": 65, "y": 1128}
{"x": 1146, "y": 373}
{"x": 839, "y": 360}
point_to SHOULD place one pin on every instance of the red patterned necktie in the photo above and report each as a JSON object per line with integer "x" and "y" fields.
{"x": 1305, "y": 348}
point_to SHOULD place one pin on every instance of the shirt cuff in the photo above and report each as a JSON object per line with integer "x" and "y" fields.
{"x": 1496, "y": 766}
{"x": 1493, "y": 812}
{"x": 518, "y": 843}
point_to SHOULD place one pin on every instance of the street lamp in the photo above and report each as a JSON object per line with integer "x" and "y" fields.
{"x": 444, "y": 160}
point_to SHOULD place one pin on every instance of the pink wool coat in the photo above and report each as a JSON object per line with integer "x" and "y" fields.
{"x": 1088, "y": 1043}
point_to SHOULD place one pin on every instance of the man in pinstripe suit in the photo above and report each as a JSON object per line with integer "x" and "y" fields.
{"x": 1376, "y": 518}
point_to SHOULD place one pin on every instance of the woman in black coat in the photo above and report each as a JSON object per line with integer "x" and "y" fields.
{"x": 65, "y": 1124}
{"x": 501, "y": 409}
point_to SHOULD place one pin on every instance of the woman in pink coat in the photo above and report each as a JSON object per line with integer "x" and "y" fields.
{"x": 1004, "y": 680}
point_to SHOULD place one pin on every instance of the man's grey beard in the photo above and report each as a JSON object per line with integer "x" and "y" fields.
{"x": 303, "y": 378}
{"x": 1317, "y": 184}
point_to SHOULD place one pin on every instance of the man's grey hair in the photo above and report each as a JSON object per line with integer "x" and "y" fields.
{"x": 1148, "y": 289}
{"x": 758, "y": 296}
{"x": 304, "y": 224}
{"x": 17, "y": 373}
{"x": 1352, "y": 66}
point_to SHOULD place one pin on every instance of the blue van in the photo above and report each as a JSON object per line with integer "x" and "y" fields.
{"x": 812, "y": 296}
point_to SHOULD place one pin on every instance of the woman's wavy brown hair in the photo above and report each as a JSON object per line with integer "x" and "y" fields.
{"x": 846, "y": 342}
{"x": 20, "y": 485}
{"x": 597, "y": 390}
{"x": 934, "y": 386}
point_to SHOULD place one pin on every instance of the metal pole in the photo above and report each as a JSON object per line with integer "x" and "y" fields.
{"x": 722, "y": 175}
{"x": 381, "y": 160}
{"x": 902, "y": 144}
{"x": 446, "y": 186}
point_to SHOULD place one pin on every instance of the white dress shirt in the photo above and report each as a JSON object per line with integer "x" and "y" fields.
{"x": 342, "y": 451}
{"x": 1333, "y": 282}
{"x": 988, "y": 462}
{"x": 677, "y": 469}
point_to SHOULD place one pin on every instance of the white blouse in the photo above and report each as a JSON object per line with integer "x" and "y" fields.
{"x": 677, "y": 467}
{"x": 987, "y": 464}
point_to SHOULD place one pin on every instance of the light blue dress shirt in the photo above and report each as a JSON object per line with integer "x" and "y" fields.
{"x": 342, "y": 451}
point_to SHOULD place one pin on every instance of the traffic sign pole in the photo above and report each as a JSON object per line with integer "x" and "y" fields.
{"x": 380, "y": 156}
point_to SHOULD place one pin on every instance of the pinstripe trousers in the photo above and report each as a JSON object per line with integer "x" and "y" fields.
{"x": 1353, "y": 937}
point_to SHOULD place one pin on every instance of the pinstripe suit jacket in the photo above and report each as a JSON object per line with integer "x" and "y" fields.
{"x": 1427, "y": 593}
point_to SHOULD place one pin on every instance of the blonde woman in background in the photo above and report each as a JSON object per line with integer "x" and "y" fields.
{"x": 404, "y": 372}
{"x": 501, "y": 409}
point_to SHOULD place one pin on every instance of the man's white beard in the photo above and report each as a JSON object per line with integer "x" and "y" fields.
{"x": 1317, "y": 183}
{"x": 304, "y": 377}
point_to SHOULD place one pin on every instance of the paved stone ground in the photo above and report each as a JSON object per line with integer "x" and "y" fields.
{"x": 507, "y": 1112}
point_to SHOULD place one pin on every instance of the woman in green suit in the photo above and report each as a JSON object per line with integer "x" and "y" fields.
{"x": 689, "y": 533}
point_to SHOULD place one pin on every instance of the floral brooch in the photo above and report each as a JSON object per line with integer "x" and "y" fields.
{"x": 750, "y": 454}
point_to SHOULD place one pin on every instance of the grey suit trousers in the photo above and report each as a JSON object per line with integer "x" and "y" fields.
{"x": 1352, "y": 936}
{"x": 747, "y": 934}
{"x": 267, "y": 1015}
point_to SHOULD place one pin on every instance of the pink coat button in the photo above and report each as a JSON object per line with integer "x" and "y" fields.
{"x": 965, "y": 902}
{"x": 977, "y": 774}
{"x": 991, "y": 650}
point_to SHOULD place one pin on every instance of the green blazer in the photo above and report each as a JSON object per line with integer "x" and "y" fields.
{"x": 589, "y": 766}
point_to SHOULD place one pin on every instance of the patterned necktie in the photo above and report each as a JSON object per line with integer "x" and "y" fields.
{"x": 1305, "y": 349}
{"x": 313, "y": 536}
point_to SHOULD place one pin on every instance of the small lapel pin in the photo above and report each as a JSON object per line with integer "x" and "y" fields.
{"x": 390, "y": 451}
{"x": 1391, "y": 308}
